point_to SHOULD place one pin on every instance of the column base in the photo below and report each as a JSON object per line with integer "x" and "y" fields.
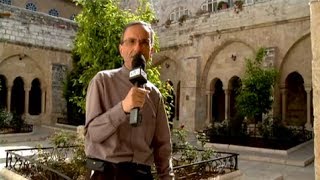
{"x": 308, "y": 126}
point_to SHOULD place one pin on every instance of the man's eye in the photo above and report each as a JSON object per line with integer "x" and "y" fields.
{"x": 145, "y": 42}
{"x": 131, "y": 41}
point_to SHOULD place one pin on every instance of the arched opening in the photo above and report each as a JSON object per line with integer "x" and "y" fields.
{"x": 3, "y": 92}
{"x": 170, "y": 101}
{"x": 178, "y": 101}
{"x": 35, "y": 98}
{"x": 17, "y": 96}
{"x": 296, "y": 100}
{"x": 234, "y": 85}
{"x": 218, "y": 102}
{"x": 235, "y": 118}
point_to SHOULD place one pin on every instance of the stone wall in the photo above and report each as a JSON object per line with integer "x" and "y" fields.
{"x": 214, "y": 38}
{"x": 259, "y": 13}
{"x": 315, "y": 39}
{"x": 21, "y": 26}
{"x": 36, "y": 45}
{"x": 65, "y": 8}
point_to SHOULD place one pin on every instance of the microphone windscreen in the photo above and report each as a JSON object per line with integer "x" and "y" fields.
{"x": 138, "y": 61}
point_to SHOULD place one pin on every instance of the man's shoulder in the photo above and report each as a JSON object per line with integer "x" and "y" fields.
{"x": 107, "y": 73}
{"x": 152, "y": 87}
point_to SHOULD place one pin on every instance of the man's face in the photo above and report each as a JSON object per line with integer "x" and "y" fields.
{"x": 136, "y": 39}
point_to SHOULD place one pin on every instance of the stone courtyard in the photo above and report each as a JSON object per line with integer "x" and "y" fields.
{"x": 198, "y": 54}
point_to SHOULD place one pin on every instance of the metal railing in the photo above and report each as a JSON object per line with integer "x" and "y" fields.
{"x": 29, "y": 162}
{"x": 220, "y": 163}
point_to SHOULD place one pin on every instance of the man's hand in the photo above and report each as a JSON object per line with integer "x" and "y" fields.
{"x": 135, "y": 98}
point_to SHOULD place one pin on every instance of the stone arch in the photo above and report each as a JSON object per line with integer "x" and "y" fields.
{"x": 296, "y": 110}
{"x": 26, "y": 69}
{"x": 296, "y": 59}
{"x": 35, "y": 97}
{"x": 18, "y": 96}
{"x": 234, "y": 118}
{"x": 169, "y": 69}
{"x": 217, "y": 101}
{"x": 232, "y": 54}
{"x": 21, "y": 65}
{"x": 3, "y": 92}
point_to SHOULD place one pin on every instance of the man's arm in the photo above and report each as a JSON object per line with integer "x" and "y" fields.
{"x": 101, "y": 121}
{"x": 162, "y": 145}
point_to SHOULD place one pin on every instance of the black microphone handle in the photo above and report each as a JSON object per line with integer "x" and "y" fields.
{"x": 135, "y": 117}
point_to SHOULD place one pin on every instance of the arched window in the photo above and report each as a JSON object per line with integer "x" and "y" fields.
{"x": 53, "y": 12}
{"x": 35, "y": 98}
{"x": 209, "y": 5}
{"x": 178, "y": 12}
{"x": 5, "y": 2}
{"x": 31, "y": 7}
{"x": 17, "y": 96}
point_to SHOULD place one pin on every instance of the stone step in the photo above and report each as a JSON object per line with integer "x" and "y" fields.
{"x": 301, "y": 155}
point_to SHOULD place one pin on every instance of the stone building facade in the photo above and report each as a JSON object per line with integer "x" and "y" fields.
{"x": 203, "y": 53}
{"x": 203, "y": 50}
{"x": 34, "y": 59}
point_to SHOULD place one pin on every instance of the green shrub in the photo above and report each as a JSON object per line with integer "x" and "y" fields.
{"x": 5, "y": 119}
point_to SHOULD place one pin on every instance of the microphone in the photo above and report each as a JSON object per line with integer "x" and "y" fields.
{"x": 138, "y": 77}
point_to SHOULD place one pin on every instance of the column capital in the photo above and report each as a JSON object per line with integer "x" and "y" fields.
{"x": 308, "y": 89}
{"x": 27, "y": 88}
{"x": 284, "y": 90}
{"x": 227, "y": 91}
{"x": 209, "y": 92}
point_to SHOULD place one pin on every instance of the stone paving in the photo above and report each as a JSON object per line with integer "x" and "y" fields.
{"x": 297, "y": 165}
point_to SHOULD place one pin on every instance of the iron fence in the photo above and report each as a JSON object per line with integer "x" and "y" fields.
{"x": 31, "y": 163}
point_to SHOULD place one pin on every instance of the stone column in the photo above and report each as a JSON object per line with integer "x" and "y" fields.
{"x": 284, "y": 104}
{"x": 9, "y": 88}
{"x": 209, "y": 107}
{"x": 227, "y": 104}
{"x": 43, "y": 100}
{"x": 26, "y": 102}
{"x": 190, "y": 107}
{"x": 315, "y": 44}
{"x": 308, "y": 125}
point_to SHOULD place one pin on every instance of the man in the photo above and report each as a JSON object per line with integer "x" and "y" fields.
{"x": 127, "y": 151}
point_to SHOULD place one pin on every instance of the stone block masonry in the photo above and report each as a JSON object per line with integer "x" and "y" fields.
{"x": 25, "y": 27}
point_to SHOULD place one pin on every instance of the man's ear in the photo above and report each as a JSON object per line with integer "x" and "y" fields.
{"x": 152, "y": 51}
{"x": 120, "y": 48}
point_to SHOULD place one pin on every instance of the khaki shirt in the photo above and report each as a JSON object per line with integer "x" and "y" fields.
{"x": 110, "y": 137}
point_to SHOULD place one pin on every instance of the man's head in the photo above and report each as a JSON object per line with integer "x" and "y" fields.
{"x": 137, "y": 37}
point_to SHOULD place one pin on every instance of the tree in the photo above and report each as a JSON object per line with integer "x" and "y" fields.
{"x": 255, "y": 95}
{"x": 96, "y": 45}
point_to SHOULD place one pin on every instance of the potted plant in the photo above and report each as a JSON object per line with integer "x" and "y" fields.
{"x": 182, "y": 19}
{"x": 238, "y": 5}
{"x": 222, "y": 5}
{"x": 167, "y": 23}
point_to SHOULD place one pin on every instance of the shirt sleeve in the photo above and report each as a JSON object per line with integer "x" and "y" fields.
{"x": 162, "y": 145}
{"x": 98, "y": 117}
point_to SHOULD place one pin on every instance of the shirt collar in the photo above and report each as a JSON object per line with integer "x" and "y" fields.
{"x": 125, "y": 70}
